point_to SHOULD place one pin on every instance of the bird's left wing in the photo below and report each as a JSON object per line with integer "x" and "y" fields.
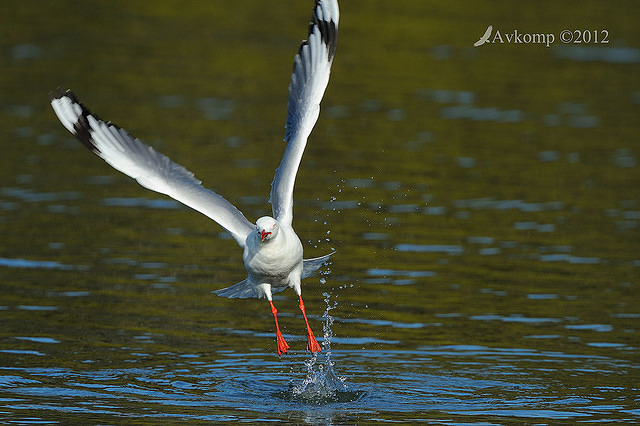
{"x": 150, "y": 168}
{"x": 311, "y": 69}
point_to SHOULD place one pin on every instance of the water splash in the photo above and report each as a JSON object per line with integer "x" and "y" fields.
{"x": 322, "y": 385}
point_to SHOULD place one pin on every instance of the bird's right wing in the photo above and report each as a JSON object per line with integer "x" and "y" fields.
{"x": 309, "y": 79}
{"x": 150, "y": 168}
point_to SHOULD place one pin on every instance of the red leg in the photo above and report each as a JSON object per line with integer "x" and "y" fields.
{"x": 312, "y": 343}
{"x": 282, "y": 345}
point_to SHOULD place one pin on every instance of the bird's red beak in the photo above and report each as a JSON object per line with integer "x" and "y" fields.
{"x": 264, "y": 235}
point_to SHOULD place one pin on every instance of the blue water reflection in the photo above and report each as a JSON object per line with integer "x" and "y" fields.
{"x": 489, "y": 382}
{"x": 483, "y": 203}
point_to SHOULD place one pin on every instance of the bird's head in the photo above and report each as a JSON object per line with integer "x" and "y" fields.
{"x": 266, "y": 228}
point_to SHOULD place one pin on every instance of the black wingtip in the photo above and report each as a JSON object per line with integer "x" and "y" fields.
{"x": 83, "y": 132}
{"x": 55, "y": 94}
{"x": 60, "y": 93}
{"x": 81, "y": 128}
{"x": 328, "y": 30}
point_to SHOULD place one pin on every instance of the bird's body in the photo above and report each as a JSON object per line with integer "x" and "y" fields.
{"x": 272, "y": 251}
{"x": 274, "y": 263}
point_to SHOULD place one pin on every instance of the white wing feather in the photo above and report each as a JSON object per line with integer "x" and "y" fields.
{"x": 311, "y": 69}
{"x": 150, "y": 168}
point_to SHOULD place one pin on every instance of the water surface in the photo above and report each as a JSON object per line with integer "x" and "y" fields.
{"x": 483, "y": 203}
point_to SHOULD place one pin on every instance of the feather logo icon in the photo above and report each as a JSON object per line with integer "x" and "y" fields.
{"x": 485, "y": 38}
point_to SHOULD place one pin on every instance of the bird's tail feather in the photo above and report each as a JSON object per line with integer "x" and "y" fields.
{"x": 242, "y": 290}
{"x": 309, "y": 266}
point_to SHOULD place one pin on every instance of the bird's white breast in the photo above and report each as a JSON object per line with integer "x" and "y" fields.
{"x": 274, "y": 260}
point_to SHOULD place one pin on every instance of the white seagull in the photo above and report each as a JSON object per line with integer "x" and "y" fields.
{"x": 272, "y": 250}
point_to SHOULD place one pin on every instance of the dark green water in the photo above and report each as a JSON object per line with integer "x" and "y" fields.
{"x": 484, "y": 204}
